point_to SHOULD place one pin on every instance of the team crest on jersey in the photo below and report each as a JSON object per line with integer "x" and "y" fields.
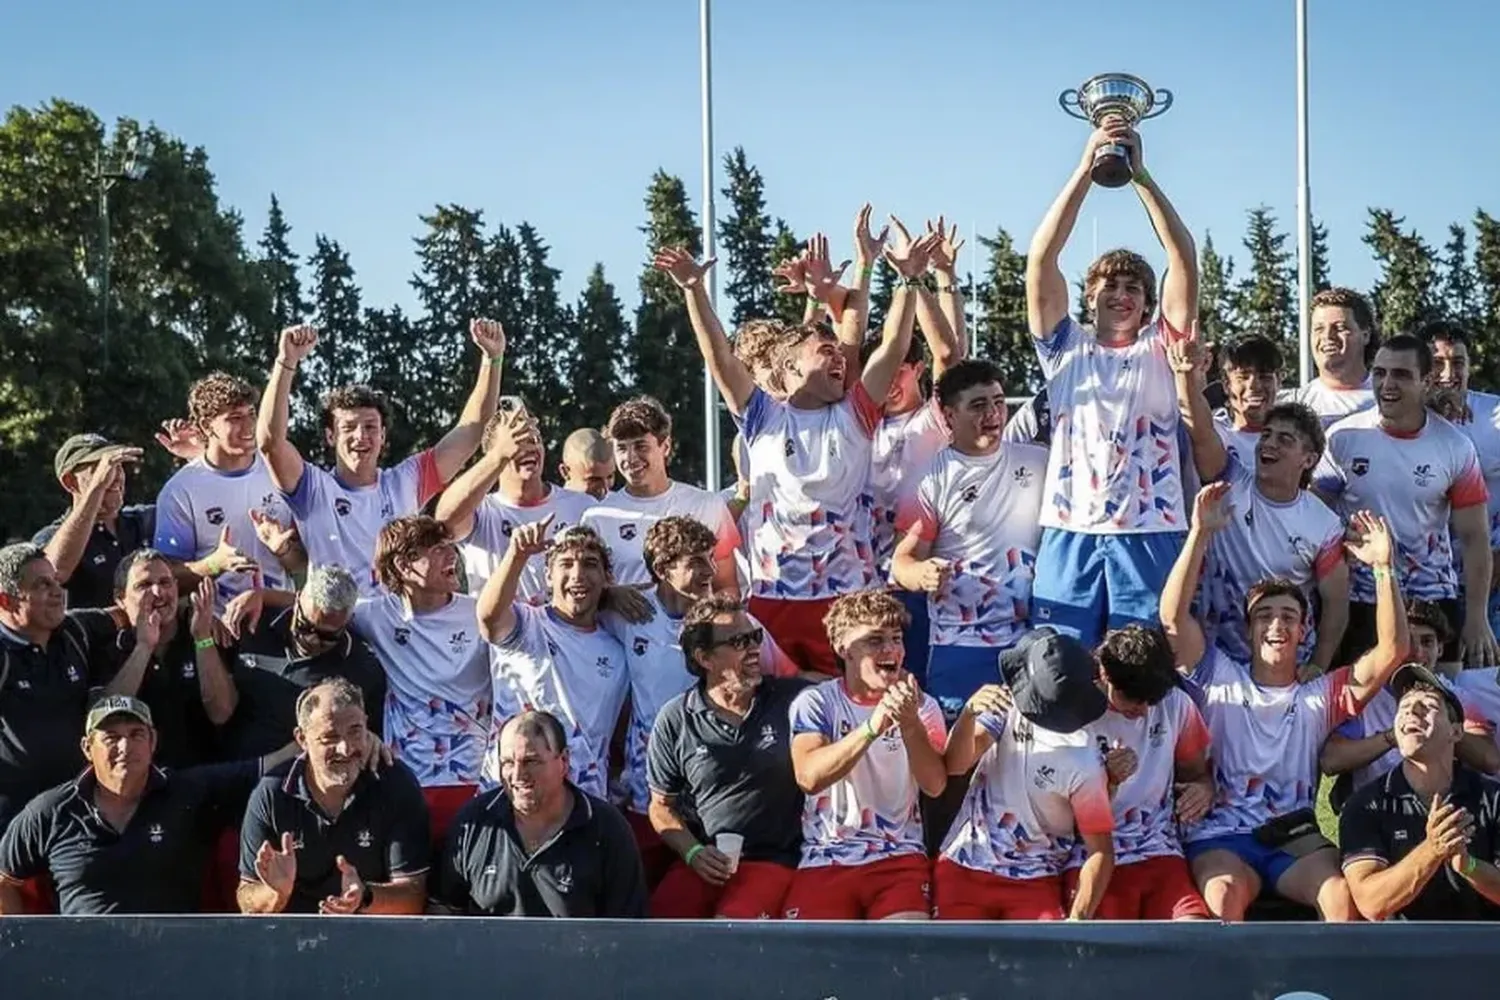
{"x": 791, "y": 447}
{"x": 551, "y": 648}
{"x": 627, "y": 531}
{"x": 506, "y": 527}
{"x": 364, "y": 839}
{"x": 156, "y": 833}
{"x": 189, "y": 670}
{"x": 1423, "y": 475}
{"x": 639, "y": 646}
{"x": 767, "y": 737}
{"x": 73, "y": 677}
{"x": 1250, "y": 517}
{"x": 341, "y": 507}
{"x": 401, "y": 635}
{"x": 969, "y": 494}
{"x": 215, "y": 515}
{"x": 387, "y": 511}
{"x": 1045, "y": 776}
{"x": 564, "y": 878}
{"x": 1022, "y": 477}
{"x": 458, "y": 640}
{"x": 844, "y": 728}
{"x": 1359, "y": 466}
{"x": 1156, "y": 734}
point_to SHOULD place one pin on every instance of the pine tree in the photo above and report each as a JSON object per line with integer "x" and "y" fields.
{"x": 1001, "y": 333}
{"x": 339, "y": 358}
{"x": 665, "y": 355}
{"x": 748, "y": 247}
{"x": 601, "y": 337}
{"x": 882, "y": 290}
{"x": 390, "y": 337}
{"x": 1265, "y": 299}
{"x": 1216, "y": 320}
{"x": 1487, "y": 295}
{"x": 787, "y": 308}
{"x": 1459, "y": 285}
{"x": 1405, "y": 295}
{"x": 1081, "y": 311}
{"x": 448, "y": 283}
{"x": 278, "y": 268}
{"x": 1320, "y": 272}
{"x": 547, "y": 351}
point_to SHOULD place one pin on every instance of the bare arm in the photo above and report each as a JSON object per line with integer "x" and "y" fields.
{"x": 662, "y": 812}
{"x": 1184, "y": 633}
{"x": 1179, "y": 293}
{"x": 1374, "y": 547}
{"x": 908, "y": 561}
{"x": 1047, "y": 298}
{"x": 1209, "y": 455}
{"x": 1479, "y": 752}
{"x": 66, "y": 546}
{"x": 10, "y": 898}
{"x": 942, "y": 342}
{"x": 819, "y": 764}
{"x": 1342, "y": 754}
{"x": 944, "y": 262}
{"x": 1333, "y": 615}
{"x": 127, "y": 680}
{"x": 924, "y": 759}
{"x": 1471, "y": 525}
{"x": 729, "y": 373}
{"x": 895, "y": 340}
{"x": 1094, "y": 876}
{"x": 459, "y": 444}
{"x": 458, "y": 503}
{"x": 497, "y": 602}
{"x": 282, "y": 457}
{"x": 403, "y": 896}
{"x": 259, "y": 899}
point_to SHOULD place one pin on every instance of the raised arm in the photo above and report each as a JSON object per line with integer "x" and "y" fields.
{"x": 459, "y": 444}
{"x": 909, "y": 258}
{"x": 66, "y": 546}
{"x": 1370, "y": 541}
{"x": 497, "y": 602}
{"x": 1188, "y": 360}
{"x": 216, "y": 687}
{"x": 1210, "y": 514}
{"x": 954, "y": 336}
{"x": 729, "y": 373}
{"x": 1047, "y": 297}
{"x": 1179, "y": 293}
{"x": 282, "y": 457}
{"x": 456, "y": 506}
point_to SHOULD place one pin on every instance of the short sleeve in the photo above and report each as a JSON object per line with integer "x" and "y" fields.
{"x": 931, "y": 715}
{"x": 809, "y": 712}
{"x": 409, "y": 844}
{"x": 23, "y": 849}
{"x": 527, "y": 630}
{"x": 1361, "y": 837}
{"x": 176, "y": 535}
{"x": 1021, "y": 428}
{"x": 258, "y": 827}
{"x": 1352, "y": 729}
{"x": 307, "y": 495}
{"x": 726, "y": 532}
{"x": 429, "y": 476}
{"x": 1328, "y": 474}
{"x": 664, "y": 773}
{"x": 1193, "y": 737}
{"x": 867, "y": 411}
{"x": 1468, "y": 488}
{"x": 1342, "y": 705}
{"x": 1089, "y": 798}
{"x": 1052, "y": 348}
{"x": 1330, "y": 555}
{"x": 918, "y": 509}
{"x": 992, "y": 723}
{"x": 452, "y": 887}
{"x": 757, "y": 414}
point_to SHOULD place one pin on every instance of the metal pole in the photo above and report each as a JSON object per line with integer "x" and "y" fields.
{"x": 1304, "y": 209}
{"x": 710, "y": 391}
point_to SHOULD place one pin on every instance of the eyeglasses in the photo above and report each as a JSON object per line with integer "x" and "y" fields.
{"x": 307, "y": 630}
{"x": 741, "y": 641}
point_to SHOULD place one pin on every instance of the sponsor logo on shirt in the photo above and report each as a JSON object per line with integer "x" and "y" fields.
{"x": 189, "y": 670}
{"x": 1023, "y": 477}
{"x": 767, "y": 737}
{"x": 363, "y": 838}
{"x": 1250, "y": 517}
{"x": 1359, "y": 466}
{"x": 565, "y": 879}
{"x": 155, "y": 832}
{"x": 1423, "y": 475}
{"x": 72, "y": 675}
{"x": 341, "y": 506}
{"x": 1157, "y": 733}
{"x": 969, "y": 494}
{"x": 458, "y": 640}
{"x": 1045, "y": 776}
{"x": 604, "y": 667}
{"x": 402, "y": 635}
{"x": 215, "y": 515}
{"x": 639, "y": 646}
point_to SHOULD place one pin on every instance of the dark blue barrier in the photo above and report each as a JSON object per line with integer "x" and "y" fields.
{"x": 370, "y": 958}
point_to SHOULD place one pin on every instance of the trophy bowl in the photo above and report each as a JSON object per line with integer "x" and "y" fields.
{"x": 1130, "y": 97}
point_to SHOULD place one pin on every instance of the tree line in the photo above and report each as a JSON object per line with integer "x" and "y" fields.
{"x": 189, "y": 292}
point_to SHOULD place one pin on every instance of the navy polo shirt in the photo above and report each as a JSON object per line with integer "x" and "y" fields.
{"x": 270, "y": 675}
{"x": 92, "y": 582}
{"x": 170, "y": 687}
{"x": 733, "y": 778}
{"x": 1385, "y": 820}
{"x": 154, "y": 865}
{"x": 43, "y": 696}
{"x": 382, "y": 831}
{"x": 590, "y": 867}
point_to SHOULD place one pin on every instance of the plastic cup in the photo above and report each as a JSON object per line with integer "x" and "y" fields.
{"x": 730, "y": 845}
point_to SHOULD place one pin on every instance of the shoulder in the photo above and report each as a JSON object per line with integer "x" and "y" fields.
{"x": 1029, "y": 455}
{"x": 608, "y": 820}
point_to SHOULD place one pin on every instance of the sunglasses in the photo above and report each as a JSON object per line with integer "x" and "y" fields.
{"x": 741, "y": 641}
{"x": 308, "y": 630}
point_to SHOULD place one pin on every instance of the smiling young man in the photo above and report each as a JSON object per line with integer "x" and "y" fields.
{"x": 640, "y": 430}
{"x": 1115, "y": 516}
{"x": 1344, "y": 339}
{"x": 864, "y": 746}
{"x": 588, "y": 464}
{"x": 1422, "y": 473}
{"x": 1251, "y": 368}
{"x": 503, "y": 490}
{"x": 340, "y": 512}
{"x": 556, "y": 657}
{"x": 969, "y": 536}
{"x": 1268, "y": 726}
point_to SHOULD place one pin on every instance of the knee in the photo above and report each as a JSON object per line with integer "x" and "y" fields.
{"x": 1227, "y": 897}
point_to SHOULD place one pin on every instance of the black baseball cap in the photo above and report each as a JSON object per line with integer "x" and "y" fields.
{"x": 1414, "y": 673}
{"x": 79, "y": 450}
{"x": 1052, "y": 679}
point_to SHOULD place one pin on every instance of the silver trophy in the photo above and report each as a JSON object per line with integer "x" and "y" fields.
{"x": 1107, "y": 94}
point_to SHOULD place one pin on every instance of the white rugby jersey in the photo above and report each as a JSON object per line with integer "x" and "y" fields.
{"x": 1416, "y": 482}
{"x": 1300, "y": 540}
{"x": 810, "y": 503}
{"x": 1329, "y": 402}
{"x": 871, "y": 813}
{"x": 658, "y": 673}
{"x": 622, "y": 521}
{"x": 980, "y": 513}
{"x": 199, "y": 502}
{"x": 1266, "y": 742}
{"x": 437, "y": 705}
{"x": 340, "y": 524}
{"x": 496, "y": 518}
{"x": 904, "y": 447}
{"x": 1241, "y": 444}
{"x": 1116, "y": 459}
{"x": 1479, "y": 690}
{"x": 1483, "y": 430}
{"x": 1034, "y": 792}
{"x": 576, "y": 674}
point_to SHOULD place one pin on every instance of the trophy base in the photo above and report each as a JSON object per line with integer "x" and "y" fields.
{"x": 1111, "y": 167}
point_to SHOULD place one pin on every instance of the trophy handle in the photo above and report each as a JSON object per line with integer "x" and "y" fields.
{"x": 1068, "y": 100}
{"x": 1161, "y": 101}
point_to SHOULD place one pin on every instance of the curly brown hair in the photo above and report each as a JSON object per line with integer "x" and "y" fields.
{"x": 216, "y": 393}
{"x": 638, "y": 417}
{"x": 580, "y": 539}
{"x": 400, "y": 543}
{"x": 864, "y": 608}
{"x": 755, "y": 341}
{"x": 1128, "y": 263}
{"x": 355, "y": 397}
{"x": 671, "y": 538}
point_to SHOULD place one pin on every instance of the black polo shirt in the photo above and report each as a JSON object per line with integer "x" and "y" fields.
{"x": 730, "y": 778}
{"x": 43, "y": 697}
{"x": 154, "y": 865}
{"x": 1385, "y": 821}
{"x": 382, "y": 830}
{"x": 92, "y": 582}
{"x": 591, "y": 868}
{"x": 269, "y": 675}
{"x": 184, "y": 735}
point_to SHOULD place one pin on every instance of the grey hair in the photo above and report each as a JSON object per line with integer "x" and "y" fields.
{"x": 130, "y": 562}
{"x": 14, "y": 559}
{"x": 330, "y": 587}
{"x": 535, "y": 722}
{"x": 336, "y": 692}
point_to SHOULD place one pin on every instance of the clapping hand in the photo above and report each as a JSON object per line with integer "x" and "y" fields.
{"x": 868, "y": 246}
{"x": 351, "y": 891}
{"x": 908, "y": 256}
{"x": 1211, "y": 508}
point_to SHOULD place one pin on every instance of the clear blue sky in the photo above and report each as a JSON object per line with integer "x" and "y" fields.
{"x": 360, "y": 116}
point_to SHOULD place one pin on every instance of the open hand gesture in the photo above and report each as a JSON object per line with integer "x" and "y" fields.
{"x": 297, "y": 342}
{"x": 909, "y": 257}
{"x": 1368, "y": 539}
{"x": 868, "y": 247}
{"x": 516, "y": 432}
{"x": 180, "y": 438}
{"x": 944, "y": 255}
{"x": 681, "y": 267}
{"x": 792, "y": 274}
{"x": 278, "y": 868}
{"x": 351, "y": 891}
{"x": 274, "y": 535}
{"x": 1211, "y": 508}
{"x": 818, "y": 271}
{"x": 489, "y": 336}
{"x": 202, "y": 623}
{"x": 225, "y": 558}
{"x": 531, "y": 539}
